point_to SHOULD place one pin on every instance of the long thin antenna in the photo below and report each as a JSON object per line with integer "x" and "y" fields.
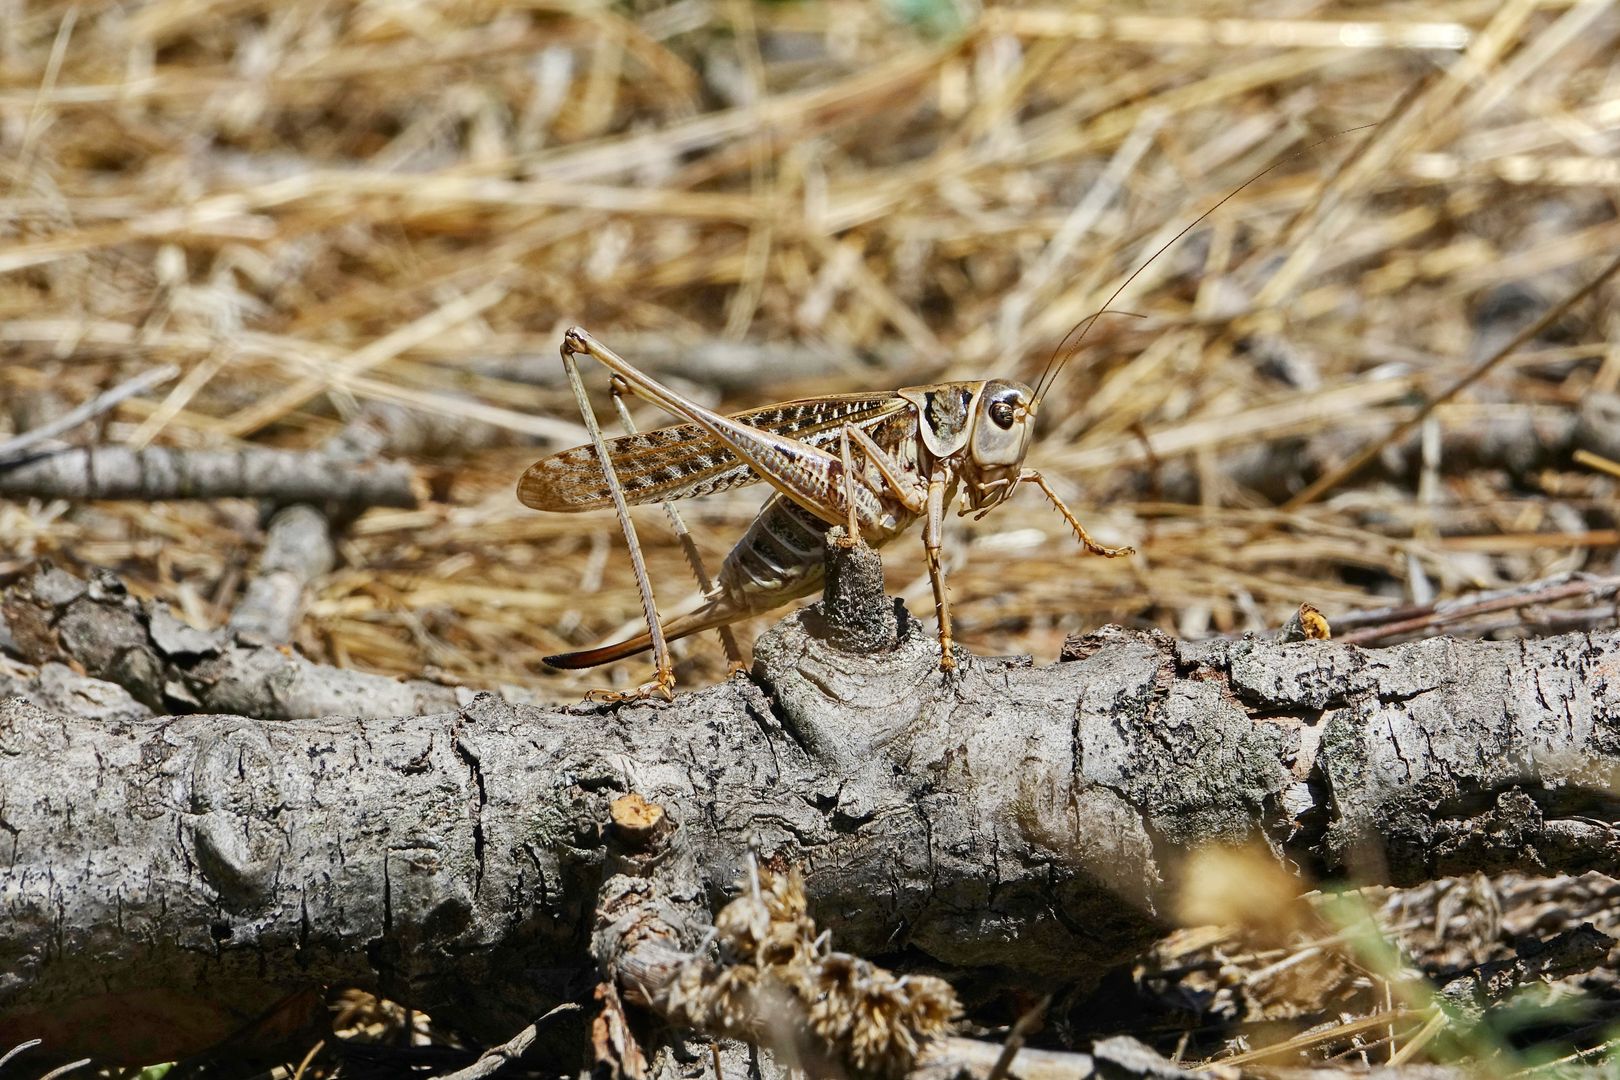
{"x": 1054, "y": 365}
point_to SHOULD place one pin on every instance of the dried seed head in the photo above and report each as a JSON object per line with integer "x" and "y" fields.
{"x": 775, "y": 984}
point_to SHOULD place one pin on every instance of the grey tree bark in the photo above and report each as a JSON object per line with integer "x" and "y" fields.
{"x": 1007, "y": 822}
{"x": 157, "y": 472}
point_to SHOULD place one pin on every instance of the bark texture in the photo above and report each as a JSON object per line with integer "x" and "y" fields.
{"x": 1005, "y": 822}
{"x": 158, "y": 472}
{"x": 169, "y": 666}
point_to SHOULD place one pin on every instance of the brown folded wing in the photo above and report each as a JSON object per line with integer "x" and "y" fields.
{"x": 685, "y": 461}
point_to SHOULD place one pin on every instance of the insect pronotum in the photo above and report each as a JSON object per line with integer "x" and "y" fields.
{"x": 874, "y": 463}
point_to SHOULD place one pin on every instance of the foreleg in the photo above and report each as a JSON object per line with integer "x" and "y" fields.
{"x": 1034, "y": 476}
{"x": 933, "y": 534}
{"x": 898, "y": 484}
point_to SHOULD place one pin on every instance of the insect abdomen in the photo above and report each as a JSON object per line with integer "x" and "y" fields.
{"x": 779, "y": 558}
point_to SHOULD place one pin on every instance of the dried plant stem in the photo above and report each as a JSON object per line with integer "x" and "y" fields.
{"x": 13, "y": 448}
{"x": 1332, "y": 479}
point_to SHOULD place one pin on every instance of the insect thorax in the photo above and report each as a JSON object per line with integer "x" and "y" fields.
{"x": 944, "y": 414}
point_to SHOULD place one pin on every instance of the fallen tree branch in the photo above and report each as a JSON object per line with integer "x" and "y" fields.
{"x": 1472, "y": 992}
{"x": 1529, "y": 603}
{"x": 159, "y": 472}
{"x": 168, "y": 666}
{"x": 1025, "y": 821}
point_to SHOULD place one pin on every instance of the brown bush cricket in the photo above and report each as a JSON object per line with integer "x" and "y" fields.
{"x": 873, "y": 462}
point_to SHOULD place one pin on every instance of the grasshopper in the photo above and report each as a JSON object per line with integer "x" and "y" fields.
{"x": 875, "y": 463}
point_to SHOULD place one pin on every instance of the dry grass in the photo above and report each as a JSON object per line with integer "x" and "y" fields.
{"x": 1262, "y": 976}
{"x": 306, "y": 206}
{"x": 309, "y": 205}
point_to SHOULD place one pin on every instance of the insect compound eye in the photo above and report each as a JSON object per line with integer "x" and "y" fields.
{"x": 1002, "y": 414}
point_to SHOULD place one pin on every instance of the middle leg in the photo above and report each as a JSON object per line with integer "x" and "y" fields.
{"x": 852, "y": 529}
{"x": 933, "y": 531}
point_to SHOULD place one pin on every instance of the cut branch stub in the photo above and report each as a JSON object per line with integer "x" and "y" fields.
{"x": 859, "y": 617}
{"x": 637, "y": 823}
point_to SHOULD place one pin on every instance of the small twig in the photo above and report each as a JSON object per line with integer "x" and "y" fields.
{"x": 1598, "y": 462}
{"x": 1581, "y": 1056}
{"x": 15, "y": 446}
{"x": 1015, "y": 1038}
{"x": 1425, "y": 1035}
{"x": 1409, "y": 620}
{"x": 303, "y": 1066}
{"x": 1527, "y": 591}
{"x": 1333, "y": 477}
{"x": 160, "y": 473}
{"x": 63, "y": 1070}
{"x": 496, "y": 1058}
{"x": 18, "y": 1049}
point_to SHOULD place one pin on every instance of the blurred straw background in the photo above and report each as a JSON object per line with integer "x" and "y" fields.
{"x": 309, "y": 207}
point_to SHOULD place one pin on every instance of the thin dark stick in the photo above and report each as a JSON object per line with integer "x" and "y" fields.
{"x": 1015, "y": 1038}
{"x": 71, "y": 419}
{"x": 496, "y": 1058}
{"x": 1333, "y": 478}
